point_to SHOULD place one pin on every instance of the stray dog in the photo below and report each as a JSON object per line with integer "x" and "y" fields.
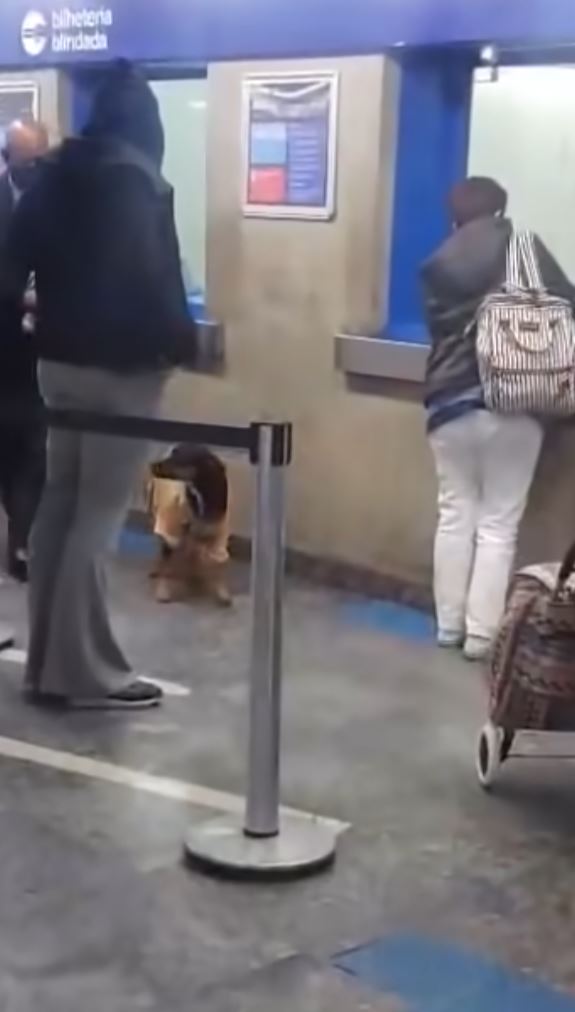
{"x": 188, "y": 499}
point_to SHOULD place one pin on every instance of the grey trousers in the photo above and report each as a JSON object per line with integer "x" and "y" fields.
{"x": 90, "y": 483}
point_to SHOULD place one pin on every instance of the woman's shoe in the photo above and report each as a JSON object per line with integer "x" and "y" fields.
{"x": 477, "y": 648}
{"x": 449, "y": 640}
{"x": 140, "y": 695}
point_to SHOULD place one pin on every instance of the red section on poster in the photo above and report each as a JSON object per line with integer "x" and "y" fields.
{"x": 268, "y": 186}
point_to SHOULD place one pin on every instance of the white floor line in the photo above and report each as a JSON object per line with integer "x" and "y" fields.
{"x": 165, "y": 787}
{"x": 175, "y": 689}
{"x": 14, "y": 655}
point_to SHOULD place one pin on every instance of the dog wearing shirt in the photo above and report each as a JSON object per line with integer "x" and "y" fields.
{"x": 188, "y": 499}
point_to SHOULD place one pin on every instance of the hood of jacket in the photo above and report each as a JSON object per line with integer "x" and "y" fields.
{"x": 78, "y": 160}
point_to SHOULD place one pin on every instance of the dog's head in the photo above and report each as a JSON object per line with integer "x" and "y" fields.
{"x": 202, "y": 472}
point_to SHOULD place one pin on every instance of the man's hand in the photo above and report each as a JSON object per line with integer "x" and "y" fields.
{"x": 30, "y": 300}
{"x": 29, "y": 323}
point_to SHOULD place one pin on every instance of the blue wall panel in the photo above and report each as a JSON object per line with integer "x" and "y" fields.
{"x": 209, "y": 30}
{"x": 432, "y": 155}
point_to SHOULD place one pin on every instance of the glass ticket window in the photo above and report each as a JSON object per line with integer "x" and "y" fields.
{"x": 183, "y": 106}
{"x": 523, "y": 134}
{"x": 18, "y": 100}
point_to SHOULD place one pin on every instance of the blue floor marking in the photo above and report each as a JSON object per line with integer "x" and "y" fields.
{"x": 429, "y": 976}
{"x": 137, "y": 543}
{"x": 395, "y": 619}
{"x": 382, "y": 616}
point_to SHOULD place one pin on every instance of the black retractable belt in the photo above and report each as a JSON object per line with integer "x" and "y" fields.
{"x": 162, "y": 430}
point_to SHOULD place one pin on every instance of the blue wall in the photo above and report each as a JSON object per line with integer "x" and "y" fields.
{"x": 433, "y": 140}
{"x": 209, "y": 30}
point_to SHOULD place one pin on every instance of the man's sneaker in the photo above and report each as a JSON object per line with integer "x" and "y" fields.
{"x": 477, "y": 648}
{"x": 140, "y": 695}
{"x": 18, "y": 566}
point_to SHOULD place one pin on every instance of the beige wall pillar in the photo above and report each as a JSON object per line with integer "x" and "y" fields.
{"x": 361, "y": 488}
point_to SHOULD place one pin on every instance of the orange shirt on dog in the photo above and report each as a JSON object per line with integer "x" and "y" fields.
{"x": 175, "y": 522}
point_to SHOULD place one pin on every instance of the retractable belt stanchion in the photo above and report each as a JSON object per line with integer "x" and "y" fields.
{"x": 266, "y": 842}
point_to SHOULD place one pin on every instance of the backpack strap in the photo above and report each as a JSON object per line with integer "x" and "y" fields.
{"x": 530, "y": 261}
{"x": 513, "y": 266}
{"x": 522, "y": 264}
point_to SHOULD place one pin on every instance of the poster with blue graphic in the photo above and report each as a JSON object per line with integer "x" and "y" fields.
{"x": 290, "y": 145}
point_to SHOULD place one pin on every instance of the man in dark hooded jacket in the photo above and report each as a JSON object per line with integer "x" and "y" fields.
{"x": 22, "y": 431}
{"x": 98, "y": 233}
{"x": 485, "y": 462}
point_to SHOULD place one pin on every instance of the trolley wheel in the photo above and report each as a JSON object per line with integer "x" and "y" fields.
{"x": 492, "y": 750}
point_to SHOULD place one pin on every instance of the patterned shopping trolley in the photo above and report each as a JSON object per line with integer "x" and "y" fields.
{"x": 533, "y": 663}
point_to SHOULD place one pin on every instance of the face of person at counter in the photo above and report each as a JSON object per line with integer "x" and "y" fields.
{"x": 26, "y": 144}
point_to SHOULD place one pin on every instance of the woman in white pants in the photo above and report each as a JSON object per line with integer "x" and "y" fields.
{"x": 485, "y": 462}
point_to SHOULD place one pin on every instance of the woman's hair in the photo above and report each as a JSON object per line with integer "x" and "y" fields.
{"x": 476, "y": 197}
{"x": 126, "y": 108}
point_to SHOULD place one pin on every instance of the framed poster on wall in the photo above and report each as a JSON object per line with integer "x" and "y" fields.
{"x": 290, "y": 144}
{"x": 18, "y": 100}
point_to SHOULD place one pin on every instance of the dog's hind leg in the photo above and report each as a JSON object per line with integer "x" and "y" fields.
{"x": 162, "y": 559}
{"x": 217, "y": 585}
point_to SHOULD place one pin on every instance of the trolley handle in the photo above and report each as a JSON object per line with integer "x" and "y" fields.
{"x": 566, "y": 571}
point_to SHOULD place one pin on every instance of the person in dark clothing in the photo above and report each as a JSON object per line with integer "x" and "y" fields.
{"x": 98, "y": 232}
{"x": 22, "y": 432}
{"x": 485, "y": 462}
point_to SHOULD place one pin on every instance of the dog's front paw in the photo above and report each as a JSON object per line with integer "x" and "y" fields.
{"x": 168, "y": 591}
{"x": 223, "y": 597}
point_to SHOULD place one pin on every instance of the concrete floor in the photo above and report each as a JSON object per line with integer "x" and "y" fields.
{"x": 97, "y": 911}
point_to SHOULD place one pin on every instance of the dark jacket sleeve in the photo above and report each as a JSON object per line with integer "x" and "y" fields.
{"x": 436, "y": 308}
{"x": 175, "y": 290}
{"x": 445, "y": 315}
{"x": 18, "y": 252}
{"x": 554, "y": 278}
{"x": 148, "y": 240}
{"x": 6, "y": 207}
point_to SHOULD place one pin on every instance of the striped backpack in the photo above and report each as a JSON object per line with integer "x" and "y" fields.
{"x": 526, "y": 341}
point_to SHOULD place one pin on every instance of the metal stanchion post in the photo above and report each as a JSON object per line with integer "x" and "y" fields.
{"x": 262, "y": 808}
{"x": 267, "y": 843}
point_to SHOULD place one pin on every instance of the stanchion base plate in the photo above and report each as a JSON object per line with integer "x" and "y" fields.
{"x": 6, "y": 637}
{"x": 221, "y": 847}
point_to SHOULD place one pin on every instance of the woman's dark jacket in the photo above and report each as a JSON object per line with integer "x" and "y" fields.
{"x": 456, "y": 279}
{"x": 97, "y": 231}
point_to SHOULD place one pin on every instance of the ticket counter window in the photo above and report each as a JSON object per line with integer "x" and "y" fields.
{"x": 523, "y": 134}
{"x": 18, "y": 100}
{"x": 183, "y": 110}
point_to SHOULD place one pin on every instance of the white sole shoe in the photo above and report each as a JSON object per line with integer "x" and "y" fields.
{"x": 140, "y": 695}
{"x": 450, "y": 640}
{"x": 476, "y": 649}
